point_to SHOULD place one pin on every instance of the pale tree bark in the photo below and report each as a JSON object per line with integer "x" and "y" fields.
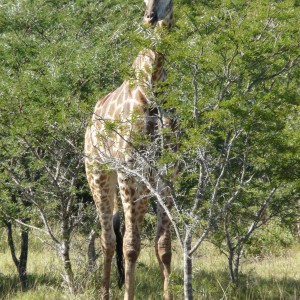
{"x": 68, "y": 272}
{"x": 188, "y": 266}
{"x": 65, "y": 255}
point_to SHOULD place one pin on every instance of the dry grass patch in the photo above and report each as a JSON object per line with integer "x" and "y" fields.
{"x": 271, "y": 277}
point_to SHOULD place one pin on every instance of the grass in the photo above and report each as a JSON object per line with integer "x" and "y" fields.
{"x": 270, "y": 278}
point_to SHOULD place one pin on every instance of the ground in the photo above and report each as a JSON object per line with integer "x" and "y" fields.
{"x": 269, "y": 277}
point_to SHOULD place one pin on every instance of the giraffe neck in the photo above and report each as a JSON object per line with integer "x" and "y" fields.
{"x": 149, "y": 69}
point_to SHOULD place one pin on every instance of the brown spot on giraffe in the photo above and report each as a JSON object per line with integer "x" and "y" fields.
{"x": 132, "y": 191}
{"x": 103, "y": 178}
{"x": 126, "y": 191}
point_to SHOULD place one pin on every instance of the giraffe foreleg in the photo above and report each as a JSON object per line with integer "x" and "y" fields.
{"x": 163, "y": 249}
{"x": 108, "y": 243}
{"x": 134, "y": 205}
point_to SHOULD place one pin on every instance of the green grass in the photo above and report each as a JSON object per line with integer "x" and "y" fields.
{"x": 273, "y": 277}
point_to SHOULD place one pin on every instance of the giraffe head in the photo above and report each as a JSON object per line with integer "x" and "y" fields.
{"x": 159, "y": 12}
{"x": 148, "y": 68}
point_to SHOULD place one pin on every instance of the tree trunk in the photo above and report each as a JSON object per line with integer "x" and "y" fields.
{"x": 237, "y": 264}
{"x": 231, "y": 267}
{"x": 234, "y": 263}
{"x": 20, "y": 263}
{"x": 11, "y": 243}
{"x": 92, "y": 257}
{"x": 187, "y": 268}
{"x": 69, "y": 276}
{"x": 22, "y": 268}
{"x": 65, "y": 254}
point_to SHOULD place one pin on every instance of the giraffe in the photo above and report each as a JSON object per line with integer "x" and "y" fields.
{"x": 101, "y": 148}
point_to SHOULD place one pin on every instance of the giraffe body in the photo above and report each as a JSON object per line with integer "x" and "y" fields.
{"x": 107, "y": 149}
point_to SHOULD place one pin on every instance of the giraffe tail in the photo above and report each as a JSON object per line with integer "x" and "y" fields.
{"x": 119, "y": 248}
